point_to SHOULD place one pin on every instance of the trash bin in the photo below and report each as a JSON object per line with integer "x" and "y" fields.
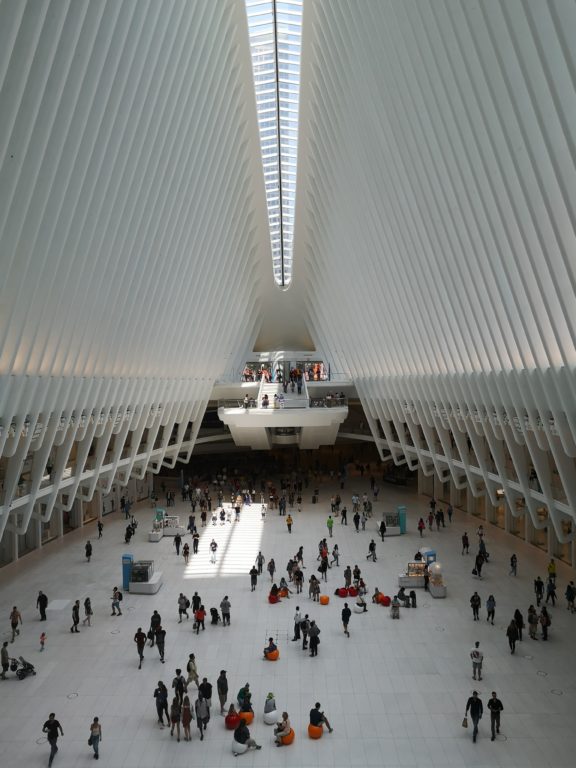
{"x": 402, "y": 517}
{"x": 127, "y": 561}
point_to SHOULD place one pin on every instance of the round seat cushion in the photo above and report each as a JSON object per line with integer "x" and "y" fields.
{"x": 384, "y": 600}
{"x": 283, "y": 593}
{"x": 273, "y": 655}
{"x": 273, "y": 599}
{"x": 232, "y": 722}
{"x": 352, "y": 592}
{"x": 358, "y": 608}
{"x": 248, "y": 716}
{"x": 289, "y": 738}
{"x": 315, "y": 731}
{"x": 271, "y": 718}
{"x": 342, "y": 592}
{"x": 237, "y": 748}
{"x": 324, "y": 599}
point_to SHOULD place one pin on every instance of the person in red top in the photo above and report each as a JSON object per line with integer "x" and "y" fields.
{"x": 199, "y": 617}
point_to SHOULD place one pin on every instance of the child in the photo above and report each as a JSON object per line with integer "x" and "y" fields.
{"x": 42, "y": 640}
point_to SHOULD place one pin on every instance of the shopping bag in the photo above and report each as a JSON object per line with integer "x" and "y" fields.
{"x": 465, "y": 722}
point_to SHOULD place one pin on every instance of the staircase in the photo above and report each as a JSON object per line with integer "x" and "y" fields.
{"x": 291, "y": 399}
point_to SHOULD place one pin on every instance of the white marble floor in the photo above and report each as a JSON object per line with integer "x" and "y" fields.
{"x": 395, "y": 691}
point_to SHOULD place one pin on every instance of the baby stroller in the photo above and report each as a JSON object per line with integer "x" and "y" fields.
{"x": 215, "y": 616}
{"x": 23, "y": 668}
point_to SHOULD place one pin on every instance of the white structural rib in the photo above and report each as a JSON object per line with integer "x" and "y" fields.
{"x": 133, "y": 236}
{"x": 436, "y": 228}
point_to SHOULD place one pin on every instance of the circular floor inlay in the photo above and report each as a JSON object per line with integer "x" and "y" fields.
{"x": 72, "y": 696}
{"x": 440, "y": 629}
{"x": 41, "y": 740}
{"x": 527, "y": 656}
{"x": 557, "y": 692}
{"x": 114, "y": 631}
{"x": 541, "y": 673}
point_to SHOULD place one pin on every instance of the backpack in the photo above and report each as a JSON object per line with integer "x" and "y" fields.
{"x": 187, "y": 603}
{"x": 304, "y": 625}
{"x": 119, "y": 596}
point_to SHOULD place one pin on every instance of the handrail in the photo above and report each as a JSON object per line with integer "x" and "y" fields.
{"x": 328, "y": 402}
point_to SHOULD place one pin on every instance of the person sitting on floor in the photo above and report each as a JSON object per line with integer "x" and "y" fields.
{"x": 270, "y": 647}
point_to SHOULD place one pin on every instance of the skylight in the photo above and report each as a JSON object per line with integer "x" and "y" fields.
{"x": 275, "y": 28}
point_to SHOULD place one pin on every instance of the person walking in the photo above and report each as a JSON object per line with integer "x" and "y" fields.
{"x": 199, "y": 617}
{"x": 382, "y": 529}
{"x": 42, "y": 604}
{"x": 196, "y": 602}
{"x": 202, "y": 711}
{"x": 75, "y": 616}
{"x": 195, "y": 542}
{"x": 177, "y": 542}
{"x": 519, "y": 620}
{"x": 476, "y": 709}
{"x": 4, "y": 659}
{"x": 371, "y": 551}
{"x": 160, "y": 636}
{"x": 15, "y": 619}
{"x": 478, "y": 563}
{"x": 88, "y": 612}
{"x": 551, "y": 591}
{"x": 477, "y": 658}
{"x": 253, "y": 578}
{"x": 330, "y": 524}
{"x": 175, "y": 716}
{"x": 317, "y": 717}
{"x": 161, "y": 696}
{"x": 356, "y": 520}
{"x": 344, "y": 516}
{"x": 346, "y": 613}
{"x": 551, "y": 568}
{"x": 271, "y": 568}
{"x": 95, "y": 737}
{"x": 225, "y": 608}
{"x": 475, "y": 602}
{"x": 545, "y": 622}
{"x": 116, "y": 599}
{"x": 155, "y": 622}
{"x": 305, "y": 629}
{"x": 179, "y": 686}
{"x": 260, "y": 560}
{"x": 186, "y": 553}
{"x": 183, "y": 605}
{"x": 532, "y": 619}
{"x": 140, "y": 640}
{"x": 289, "y": 522}
{"x": 213, "y": 550}
{"x": 513, "y": 569}
{"x": 495, "y": 707}
{"x": 335, "y": 556}
{"x": 205, "y": 689}
{"x": 51, "y": 728}
{"x": 538, "y": 590}
{"x": 88, "y": 550}
{"x": 490, "y": 608}
{"x": 512, "y": 635}
{"x": 186, "y": 718}
{"x": 465, "y": 543}
{"x": 192, "y": 670}
{"x": 100, "y": 526}
{"x": 297, "y": 622}
{"x": 222, "y": 688}
{"x": 314, "y": 633}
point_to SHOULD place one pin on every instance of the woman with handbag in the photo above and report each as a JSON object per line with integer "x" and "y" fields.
{"x": 95, "y": 737}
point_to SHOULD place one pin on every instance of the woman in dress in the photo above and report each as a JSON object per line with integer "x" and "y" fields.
{"x": 186, "y": 718}
{"x": 175, "y": 716}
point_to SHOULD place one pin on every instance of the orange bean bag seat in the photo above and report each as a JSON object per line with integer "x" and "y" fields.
{"x": 342, "y": 592}
{"x": 324, "y": 599}
{"x": 248, "y": 716}
{"x": 273, "y": 655}
{"x": 289, "y": 738}
{"x": 232, "y": 722}
{"x": 273, "y": 599}
{"x": 283, "y": 593}
{"x": 384, "y": 600}
{"x": 315, "y": 731}
{"x": 352, "y": 592}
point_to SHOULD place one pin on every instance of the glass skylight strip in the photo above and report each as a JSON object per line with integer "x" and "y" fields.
{"x": 275, "y": 28}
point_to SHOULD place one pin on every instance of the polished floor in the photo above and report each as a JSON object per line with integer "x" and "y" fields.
{"x": 395, "y": 692}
